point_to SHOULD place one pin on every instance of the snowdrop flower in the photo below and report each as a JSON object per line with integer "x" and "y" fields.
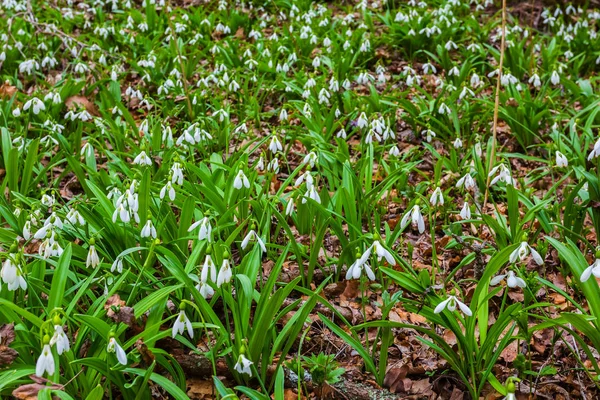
{"x": 356, "y": 269}
{"x": 275, "y": 145}
{"x": 121, "y": 212}
{"x": 311, "y": 159}
{"x": 47, "y": 200}
{"x": 114, "y": 347}
{"x": 458, "y": 143}
{"x": 512, "y": 280}
{"x": 181, "y": 323}
{"x": 394, "y": 151}
{"x": 92, "y": 259}
{"x": 289, "y": 207}
{"x": 241, "y": 180}
{"x": 225, "y": 273}
{"x": 465, "y": 212}
{"x": 555, "y": 78}
{"x": 535, "y": 80}
{"x": 168, "y": 188}
{"x": 35, "y": 104}
{"x": 561, "y": 160}
{"x": 467, "y": 181}
{"x": 205, "y": 231}
{"x": 243, "y": 365}
{"x": 60, "y": 339}
{"x": 117, "y": 265}
{"x": 594, "y": 269}
{"x": 502, "y": 174}
{"x": 209, "y": 270}
{"x": 306, "y": 176}
{"x": 523, "y": 251}
{"x": 142, "y": 159}
{"x": 9, "y": 271}
{"x": 450, "y": 303}
{"x": 249, "y": 236}
{"x": 429, "y": 135}
{"x": 148, "y": 230}
{"x": 595, "y": 151}
{"x": 362, "y": 121}
{"x": 417, "y": 219}
{"x": 74, "y": 217}
{"x": 45, "y": 364}
{"x": 311, "y": 193}
{"x": 437, "y": 197}
{"x": 475, "y": 81}
{"x": 382, "y": 252}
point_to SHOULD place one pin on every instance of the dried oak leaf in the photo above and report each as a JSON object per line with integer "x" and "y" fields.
{"x": 31, "y": 390}
{"x": 396, "y": 380}
{"x": 7, "y": 336}
{"x": 118, "y": 312}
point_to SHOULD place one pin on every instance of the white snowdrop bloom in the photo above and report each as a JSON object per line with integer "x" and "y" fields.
{"x": 450, "y": 303}
{"x": 311, "y": 193}
{"x": 465, "y": 212}
{"x": 595, "y": 151}
{"x": 454, "y": 71}
{"x": 168, "y": 189}
{"x": 382, "y": 252}
{"x": 466, "y": 91}
{"x": 512, "y": 280}
{"x": 19, "y": 282}
{"x": 148, "y": 230}
{"x": 45, "y": 363}
{"x": 414, "y": 216}
{"x": 457, "y": 143}
{"x": 362, "y": 121}
{"x": 225, "y": 273}
{"x": 555, "y": 78}
{"x": 114, "y": 347}
{"x": 177, "y": 174}
{"x": 429, "y": 135}
{"x": 9, "y": 271}
{"x": 16, "y": 112}
{"x": 241, "y": 180}
{"x": 35, "y": 104}
{"x": 523, "y": 251}
{"x": 502, "y": 174}
{"x": 437, "y": 197}
{"x": 306, "y": 176}
{"x": 273, "y": 165}
{"x": 209, "y": 270}
{"x": 394, "y": 151}
{"x": 142, "y": 159}
{"x": 283, "y": 115}
{"x": 450, "y": 45}
{"x": 535, "y": 80}
{"x": 275, "y": 145}
{"x": 28, "y": 67}
{"x": 508, "y": 79}
{"x": 342, "y": 134}
{"x": 475, "y": 81}
{"x": 250, "y": 236}
{"x": 289, "y": 207}
{"x": 467, "y": 181}
{"x": 121, "y": 212}
{"x": 182, "y": 323}
{"x": 311, "y": 159}
{"x": 117, "y": 265}
{"x": 428, "y": 67}
{"x": 205, "y": 290}
{"x": 561, "y": 160}
{"x": 60, "y": 340}
{"x": 356, "y": 269}
{"x": 205, "y": 231}
{"x": 243, "y": 365}
{"x": 444, "y": 109}
{"x": 92, "y": 259}
{"x": 594, "y": 269}
{"x": 74, "y": 217}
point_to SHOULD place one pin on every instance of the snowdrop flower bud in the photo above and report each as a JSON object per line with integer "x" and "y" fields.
{"x": 275, "y": 145}
{"x": 289, "y": 207}
{"x": 209, "y": 270}
{"x": 561, "y": 160}
{"x": 45, "y": 363}
{"x": 225, "y": 273}
{"x": 437, "y": 197}
{"x": 181, "y": 323}
{"x": 450, "y": 303}
{"x": 555, "y": 78}
{"x": 92, "y": 259}
{"x": 241, "y": 180}
{"x": 114, "y": 347}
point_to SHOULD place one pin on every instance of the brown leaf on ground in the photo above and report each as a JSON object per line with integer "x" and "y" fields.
{"x": 200, "y": 389}
{"x": 509, "y": 354}
{"x": 351, "y": 291}
{"x": 31, "y": 390}
{"x": 118, "y": 312}
{"x": 82, "y": 101}
{"x": 7, "y": 90}
{"x": 396, "y": 380}
{"x": 7, "y": 334}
